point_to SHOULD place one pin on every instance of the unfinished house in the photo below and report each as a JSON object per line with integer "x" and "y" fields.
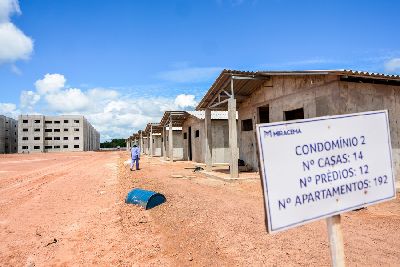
{"x": 193, "y": 128}
{"x": 270, "y": 96}
{"x": 8, "y": 135}
{"x": 38, "y": 133}
{"x": 145, "y": 144}
{"x": 132, "y": 140}
{"x": 172, "y": 141}
{"x": 153, "y": 132}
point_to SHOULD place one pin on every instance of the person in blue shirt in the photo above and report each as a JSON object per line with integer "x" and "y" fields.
{"x": 135, "y": 154}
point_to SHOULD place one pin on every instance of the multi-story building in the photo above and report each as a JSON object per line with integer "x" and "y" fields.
{"x": 8, "y": 135}
{"x": 38, "y": 133}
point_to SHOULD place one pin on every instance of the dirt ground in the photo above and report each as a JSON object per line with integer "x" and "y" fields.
{"x": 68, "y": 209}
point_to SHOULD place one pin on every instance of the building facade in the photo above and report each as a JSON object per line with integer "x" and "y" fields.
{"x": 272, "y": 96}
{"x": 154, "y": 139}
{"x": 177, "y": 143}
{"x": 8, "y": 135}
{"x": 193, "y": 128}
{"x": 38, "y": 133}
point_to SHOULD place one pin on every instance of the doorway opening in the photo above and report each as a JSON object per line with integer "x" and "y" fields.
{"x": 190, "y": 143}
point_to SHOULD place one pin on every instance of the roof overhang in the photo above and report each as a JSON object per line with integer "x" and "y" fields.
{"x": 153, "y": 127}
{"x": 177, "y": 118}
{"x": 231, "y": 83}
{"x": 241, "y": 84}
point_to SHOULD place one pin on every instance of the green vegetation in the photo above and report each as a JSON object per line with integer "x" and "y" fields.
{"x": 114, "y": 143}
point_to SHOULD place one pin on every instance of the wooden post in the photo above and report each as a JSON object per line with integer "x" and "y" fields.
{"x": 208, "y": 139}
{"x": 171, "y": 142}
{"x": 335, "y": 241}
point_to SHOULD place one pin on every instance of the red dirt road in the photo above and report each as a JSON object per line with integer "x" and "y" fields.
{"x": 68, "y": 209}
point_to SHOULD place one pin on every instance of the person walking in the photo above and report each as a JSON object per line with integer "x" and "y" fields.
{"x": 135, "y": 154}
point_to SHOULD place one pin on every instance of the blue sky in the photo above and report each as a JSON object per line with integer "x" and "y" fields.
{"x": 122, "y": 63}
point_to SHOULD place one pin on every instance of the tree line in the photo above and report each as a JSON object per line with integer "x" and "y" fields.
{"x": 113, "y": 143}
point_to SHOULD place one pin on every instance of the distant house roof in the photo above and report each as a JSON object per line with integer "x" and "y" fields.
{"x": 175, "y": 116}
{"x": 246, "y": 82}
{"x": 155, "y": 127}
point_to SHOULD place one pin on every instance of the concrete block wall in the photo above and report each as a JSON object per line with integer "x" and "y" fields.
{"x": 280, "y": 94}
{"x": 358, "y": 97}
{"x": 178, "y": 144}
{"x": 91, "y": 137}
{"x": 318, "y": 95}
{"x": 197, "y": 142}
{"x": 30, "y": 133}
{"x": 8, "y": 135}
{"x": 38, "y": 133}
{"x": 220, "y": 140}
{"x": 11, "y": 143}
{"x": 2, "y": 134}
{"x": 145, "y": 145}
{"x": 157, "y": 146}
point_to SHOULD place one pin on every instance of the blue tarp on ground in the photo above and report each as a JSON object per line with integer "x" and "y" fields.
{"x": 145, "y": 198}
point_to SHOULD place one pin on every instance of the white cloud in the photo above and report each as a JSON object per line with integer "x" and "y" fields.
{"x": 14, "y": 44}
{"x": 51, "y": 83}
{"x": 112, "y": 114}
{"x": 9, "y": 109}
{"x": 120, "y": 118}
{"x": 7, "y": 8}
{"x": 183, "y": 101}
{"x": 102, "y": 94}
{"x": 190, "y": 75}
{"x": 72, "y": 100}
{"x": 28, "y": 99}
{"x": 392, "y": 65}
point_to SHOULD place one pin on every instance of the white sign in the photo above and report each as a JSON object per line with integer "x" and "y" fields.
{"x": 320, "y": 167}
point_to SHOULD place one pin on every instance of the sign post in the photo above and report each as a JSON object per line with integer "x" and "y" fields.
{"x": 335, "y": 240}
{"x": 318, "y": 168}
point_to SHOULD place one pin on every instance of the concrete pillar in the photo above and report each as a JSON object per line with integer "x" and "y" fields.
{"x": 141, "y": 143}
{"x": 151, "y": 140}
{"x": 171, "y": 142}
{"x": 148, "y": 144}
{"x": 127, "y": 144}
{"x": 164, "y": 144}
{"x": 233, "y": 138}
{"x": 208, "y": 139}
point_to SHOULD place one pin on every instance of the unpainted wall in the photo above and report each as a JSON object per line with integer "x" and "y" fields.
{"x": 358, "y": 97}
{"x": 178, "y": 144}
{"x": 8, "y": 135}
{"x": 220, "y": 140}
{"x": 318, "y": 95}
{"x": 157, "y": 145}
{"x": 280, "y": 94}
{"x": 197, "y": 147}
{"x": 145, "y": 146}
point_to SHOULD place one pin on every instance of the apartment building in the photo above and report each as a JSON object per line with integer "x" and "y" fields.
{"x": 38, "y": 133}
{"x": 8, "y": 135}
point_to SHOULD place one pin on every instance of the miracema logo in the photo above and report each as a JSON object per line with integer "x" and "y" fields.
{"x": 277, "y": 133}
